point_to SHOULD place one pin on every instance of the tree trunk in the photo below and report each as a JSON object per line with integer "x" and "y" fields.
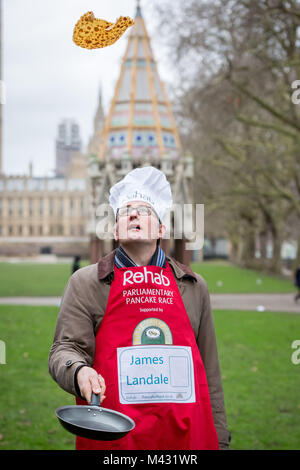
{"x": 233, "y": 257}
{"x": 262, "y": 262}
{"x": 296, "y": 263}
{"x": 275, "y": 265}
{"x": 263, "y": 241}
{"x": 248, "y": 249}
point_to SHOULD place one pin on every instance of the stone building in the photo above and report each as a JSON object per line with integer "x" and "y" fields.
{"x": 43, "y": 215}
{"x": 68, "y": 146}
{"x": 46, "y": 214}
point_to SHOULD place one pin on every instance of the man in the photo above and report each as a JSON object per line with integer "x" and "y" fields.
{"x": 297, "y": 283}
{"x": 137, "y": 329}
{"x": 76, "y": 263}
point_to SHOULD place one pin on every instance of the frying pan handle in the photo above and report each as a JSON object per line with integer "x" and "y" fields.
{"x": 95, "y": 401}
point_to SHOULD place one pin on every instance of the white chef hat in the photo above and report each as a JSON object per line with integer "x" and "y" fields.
{"x": 147, "y": 184}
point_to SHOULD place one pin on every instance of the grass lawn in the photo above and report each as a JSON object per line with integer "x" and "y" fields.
{"x": 223, "y": 278}
{"x": 261, "y": 384}
{"x": 25, "y": 279}
{"x": 29, "y": 396}
{"x": 33, "y": 279}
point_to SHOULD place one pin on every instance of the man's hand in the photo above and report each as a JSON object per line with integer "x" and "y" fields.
{"x": 89, "y": 381}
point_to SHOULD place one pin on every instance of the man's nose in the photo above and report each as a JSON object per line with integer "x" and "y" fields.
{"x": 133, "y": 214}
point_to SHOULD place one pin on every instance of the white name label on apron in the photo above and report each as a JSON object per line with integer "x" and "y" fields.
{"x": 156, "y": 374}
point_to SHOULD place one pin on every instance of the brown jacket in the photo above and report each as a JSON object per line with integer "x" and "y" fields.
{"x": 82, "y": 308}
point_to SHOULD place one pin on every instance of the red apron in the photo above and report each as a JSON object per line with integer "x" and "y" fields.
{"x": 147, "y": 353}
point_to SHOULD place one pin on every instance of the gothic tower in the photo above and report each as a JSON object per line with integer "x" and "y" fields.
{"x": 138, "y": 130}
{"x": 99, "y": 119}
{"x": 140, "y": 119}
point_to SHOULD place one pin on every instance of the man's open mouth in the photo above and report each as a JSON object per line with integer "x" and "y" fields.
{"x": 134, "y": 227}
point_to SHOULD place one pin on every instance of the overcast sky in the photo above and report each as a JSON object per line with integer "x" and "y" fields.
{"x": 48, "y": 78}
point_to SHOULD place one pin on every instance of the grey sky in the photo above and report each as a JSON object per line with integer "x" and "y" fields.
{"x": 48, "y": 78}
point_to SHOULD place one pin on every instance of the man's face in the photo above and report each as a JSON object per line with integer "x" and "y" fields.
{"x": 135, "y": 226}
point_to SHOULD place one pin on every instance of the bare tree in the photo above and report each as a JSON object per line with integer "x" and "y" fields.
{"x": 237, "y": 60}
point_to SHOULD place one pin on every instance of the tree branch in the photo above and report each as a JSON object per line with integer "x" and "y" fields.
{"x": 265, "y": 105}
{"x": 265, "y": 125}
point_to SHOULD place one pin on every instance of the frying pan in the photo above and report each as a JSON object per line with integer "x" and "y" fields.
{"x": 94, "y": 422}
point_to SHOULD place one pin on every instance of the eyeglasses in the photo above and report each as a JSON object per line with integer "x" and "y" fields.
{"x": 141, "y": 210}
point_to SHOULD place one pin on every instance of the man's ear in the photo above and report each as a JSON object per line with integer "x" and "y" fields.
{"x": 162, "y": 230}
{"x": 115, "y": 232}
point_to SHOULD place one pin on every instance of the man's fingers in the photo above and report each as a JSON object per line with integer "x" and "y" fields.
{"x": 96, "y": 387}
{"x": 90, "y": 382}
{"x": 87, "y": 392}
{"x": 102, "y": 383}
{"x": 102, "y": 386}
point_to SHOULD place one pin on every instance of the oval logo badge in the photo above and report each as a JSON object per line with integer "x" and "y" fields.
{"x": 153, "y": 333}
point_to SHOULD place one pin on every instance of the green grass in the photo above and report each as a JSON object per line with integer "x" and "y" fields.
{"x": 260, "y": 382}
{"x": 261, "y": 385}
{"x": 29, "y": 279}
{"x": 25, "y": 279}
{"x": 29, "y": 396}
{"x": 225, "y": 278}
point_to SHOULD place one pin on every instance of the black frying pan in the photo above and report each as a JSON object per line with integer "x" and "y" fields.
{"x": 94, "y": 422}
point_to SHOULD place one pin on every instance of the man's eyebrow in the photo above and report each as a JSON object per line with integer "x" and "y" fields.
{"x": 141, "y": 205}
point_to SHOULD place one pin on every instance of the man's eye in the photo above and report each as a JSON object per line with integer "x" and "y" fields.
{"x": 140, "y": 210}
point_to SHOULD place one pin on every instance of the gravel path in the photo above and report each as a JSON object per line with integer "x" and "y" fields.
{"x": 30, "y": 301}
{"x": 259, "y": 302}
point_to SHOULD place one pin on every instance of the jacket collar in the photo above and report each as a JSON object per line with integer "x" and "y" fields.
{"x": 106, "y": 268}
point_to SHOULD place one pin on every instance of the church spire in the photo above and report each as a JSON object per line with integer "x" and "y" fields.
{"x": 138, "y": 9}
{"x": 140, "y": 120}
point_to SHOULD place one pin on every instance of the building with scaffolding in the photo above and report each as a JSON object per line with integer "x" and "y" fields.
{"x": 139, "y": 130}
